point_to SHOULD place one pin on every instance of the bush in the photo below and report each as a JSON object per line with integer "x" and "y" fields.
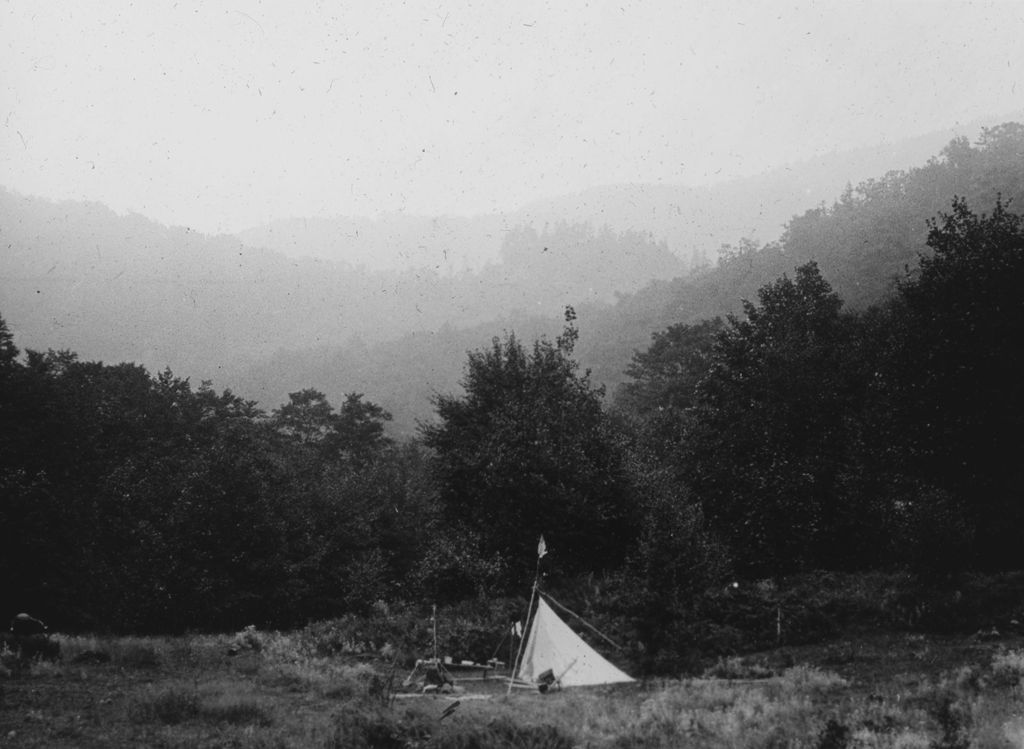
{"x": 1008, "y": 668}
{"x": 469, "y": 630}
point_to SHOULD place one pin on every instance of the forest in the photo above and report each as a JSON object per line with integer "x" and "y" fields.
{"x": 858, "y": 412}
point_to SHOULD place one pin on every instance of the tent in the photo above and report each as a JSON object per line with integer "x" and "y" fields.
{"x": 554, "y": 653}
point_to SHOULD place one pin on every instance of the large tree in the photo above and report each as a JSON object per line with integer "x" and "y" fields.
{"x": 951, "y": 406}
{"x": 527, "y": 450}
{"x": 768, "y": 438}
{"x": 663, "y": 386}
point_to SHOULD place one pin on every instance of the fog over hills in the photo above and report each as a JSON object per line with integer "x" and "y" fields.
{"x": 388, "y": 306}
{"x": 693, "y": 221}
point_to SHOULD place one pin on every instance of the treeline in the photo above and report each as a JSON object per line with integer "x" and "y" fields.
{"x": 793, "y": 436}
{"x": 865, "y": 240}
{"x": 133, "y": 502}
{"x": 813, "y": 438}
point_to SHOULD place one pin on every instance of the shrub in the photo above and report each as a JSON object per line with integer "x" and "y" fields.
{"x": 469, "y": 630}
{"x": 1008, "y": 668}
{"x": 834, "y": 735}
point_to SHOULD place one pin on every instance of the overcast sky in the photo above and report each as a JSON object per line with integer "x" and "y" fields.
{"x": 222, "y": 115}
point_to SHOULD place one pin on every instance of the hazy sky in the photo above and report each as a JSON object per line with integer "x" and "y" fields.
{"x": 222, "y": 115}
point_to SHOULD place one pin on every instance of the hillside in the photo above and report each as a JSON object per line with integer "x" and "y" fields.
{"x": 692, "y": 221}
{"x": 124, "y": 288}
{"x": 862, "y": 242}
{"x": 267, "y": 322}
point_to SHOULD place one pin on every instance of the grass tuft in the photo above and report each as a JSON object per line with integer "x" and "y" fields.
{"x": 238, "y": 711}
{"x": 1008, "y": 668}
{"x": 737, "y": 668}
{"x": 375, "y": 727}
{"x": 810, "y": 679}
{"x": 169, "y": 706}
{"x": 503, "y": 733}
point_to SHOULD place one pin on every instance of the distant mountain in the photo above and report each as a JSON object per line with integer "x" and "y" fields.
{"x": 123, "y": 288}
{"x": 862, "y": 240}
{"x": 693, "y": 222}
{"x": 632, "y": 259}
{"x": 393, "y": 241}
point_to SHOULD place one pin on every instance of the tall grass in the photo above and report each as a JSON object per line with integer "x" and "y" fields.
{"x": 179, "y": 703}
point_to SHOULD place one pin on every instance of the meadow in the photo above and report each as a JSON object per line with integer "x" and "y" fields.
{"x": 903, "y": 690}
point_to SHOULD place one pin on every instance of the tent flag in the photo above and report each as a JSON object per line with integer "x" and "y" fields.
{"x": 542, "y": 548}
{"x": 552, "y": 645}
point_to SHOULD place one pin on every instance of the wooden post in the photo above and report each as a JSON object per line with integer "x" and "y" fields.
{"x": 433, "y": 618}
{"x": 511, "y": 646}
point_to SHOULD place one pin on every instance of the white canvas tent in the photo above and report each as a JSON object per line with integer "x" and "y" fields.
{"x": 552, "y": 646}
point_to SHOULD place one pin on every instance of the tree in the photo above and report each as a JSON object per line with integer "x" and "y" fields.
{"x": 675, "y": 559}
{"x": 357, "y": 430}
{"x": 8, "y": 351}
{"x": 664, "y": 382}
{"x": 307, "y": 416}
{"x": 951, "y": 392}
{"x": 528, "y": 451}
{"x": 769, "y": 433}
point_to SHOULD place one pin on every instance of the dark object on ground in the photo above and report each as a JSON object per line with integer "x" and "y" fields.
{"x": 29, "y": 638}
{"x": 436, "y": 676}
{"x": 91, "y": 656}
{"x": 545, "y": 681}
{"x": 23, "y": 624}
{"x": 28, "y": 647}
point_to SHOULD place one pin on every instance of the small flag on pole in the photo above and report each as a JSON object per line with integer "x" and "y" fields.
{"x": 517, "y": 629}
{"x": 542, "y": 548}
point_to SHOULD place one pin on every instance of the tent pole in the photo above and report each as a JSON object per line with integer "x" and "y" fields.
{"x": 522, "y": 640}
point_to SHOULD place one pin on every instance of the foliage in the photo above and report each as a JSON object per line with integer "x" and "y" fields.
{"x": 528, "y": 451}
{"x": 792, "y": 436}
{"x": 137, "y": 503}
{"x": 767, "y": 440}
{"x": 951, "y": 383}
{"x": 664, "y": 380}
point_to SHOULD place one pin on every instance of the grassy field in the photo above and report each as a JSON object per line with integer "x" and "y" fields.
{"x": 898, "y": 690}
